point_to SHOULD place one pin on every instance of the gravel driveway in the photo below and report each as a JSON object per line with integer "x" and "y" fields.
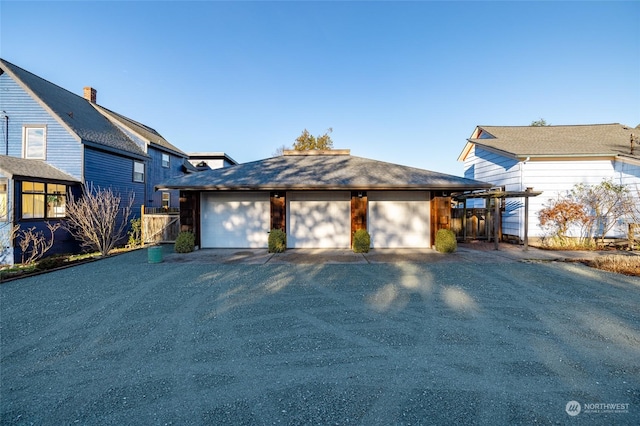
{"x": 122, "y": 341}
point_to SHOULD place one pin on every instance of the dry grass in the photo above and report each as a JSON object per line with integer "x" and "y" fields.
{"x": 628, "y": 265}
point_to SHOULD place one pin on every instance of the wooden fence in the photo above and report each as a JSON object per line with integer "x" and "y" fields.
{"x": 159, "y": 225}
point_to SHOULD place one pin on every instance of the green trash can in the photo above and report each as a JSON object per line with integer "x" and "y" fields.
{"x": 154, "y": 254}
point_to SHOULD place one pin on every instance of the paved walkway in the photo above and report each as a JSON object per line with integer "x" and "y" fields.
{"x": 468, "y": 252}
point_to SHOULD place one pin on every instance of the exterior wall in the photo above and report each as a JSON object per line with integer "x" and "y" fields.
{"x": 64, "y": 151}
{"x": 6, "y": 245}
{"x": 157, "y": 174}
{"x": 500, "y": 171}
{"x": 553, "y": 178}
{"x": 63, "y": 240}
{"x": 107, "y": 170}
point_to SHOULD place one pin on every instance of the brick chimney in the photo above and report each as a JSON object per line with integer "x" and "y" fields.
{"x": 90, "y": 94}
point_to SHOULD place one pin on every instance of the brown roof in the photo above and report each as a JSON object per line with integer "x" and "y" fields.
{"x": 579, "y": 140}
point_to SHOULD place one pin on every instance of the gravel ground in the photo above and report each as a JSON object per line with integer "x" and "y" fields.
{"x": 122, "y": 341}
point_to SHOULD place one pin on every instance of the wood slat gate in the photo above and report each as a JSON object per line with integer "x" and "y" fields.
{"x": 159, "y": 225}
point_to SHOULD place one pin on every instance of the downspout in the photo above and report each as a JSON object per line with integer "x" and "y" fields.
{"x": 6, "y": 133}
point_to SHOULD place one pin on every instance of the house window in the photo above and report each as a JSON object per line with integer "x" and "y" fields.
{"x": 35, "y": 142}
{"x": 138, "y": 171}
{"x": 166, "y": 200}
{"x": 4, "y": 212}
{"x": 56, "y": 200}
{"x": 165, "y": 160}
{"x": 43, "y": 200}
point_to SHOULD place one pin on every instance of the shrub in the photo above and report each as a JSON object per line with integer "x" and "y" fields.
{"x": 361, "y": 241}
{"x": 446, "y": 241}
{"x": 628, "y": 265}
{"x": 277, "y": 241}
{"x": 51, "y": 263}
{"x": 185, "y": 242}
{"x": 135, "y": 233}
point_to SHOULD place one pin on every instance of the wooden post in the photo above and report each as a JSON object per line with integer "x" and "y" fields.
{"x": 464, "y": 221}
{"x": 526, "y": 223}
{"x": 496, "y": 223}
{"x": 359, "y": 203}
{"x": 142, "y": 224}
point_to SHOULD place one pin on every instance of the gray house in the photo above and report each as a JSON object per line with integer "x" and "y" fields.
{"x": 319, "y": 198}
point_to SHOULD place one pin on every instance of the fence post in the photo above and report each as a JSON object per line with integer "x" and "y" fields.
{"x": 142, "y": 225}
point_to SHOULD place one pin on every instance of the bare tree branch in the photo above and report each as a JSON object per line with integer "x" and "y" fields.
{"x": 97, "y": 220}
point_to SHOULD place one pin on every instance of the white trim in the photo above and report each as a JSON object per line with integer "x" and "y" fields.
{"x": 25, "y": 140}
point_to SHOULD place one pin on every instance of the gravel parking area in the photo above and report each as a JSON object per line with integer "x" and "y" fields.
{"x": 481, "y": 340}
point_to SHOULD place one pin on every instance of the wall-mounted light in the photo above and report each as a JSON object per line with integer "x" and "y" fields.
{"x": 360, "y": 195}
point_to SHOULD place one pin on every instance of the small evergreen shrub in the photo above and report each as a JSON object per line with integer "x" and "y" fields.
{"x": 135, "y": 233}
{"x": 277, "y": 241}
{"x": 50, "y": 263}
{"x": 446, "y": 241}
{"x": 185, "y": 242}
{"x": 361, "y": 241}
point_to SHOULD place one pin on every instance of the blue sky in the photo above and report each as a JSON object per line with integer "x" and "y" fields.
{"x": 404, "y": 82}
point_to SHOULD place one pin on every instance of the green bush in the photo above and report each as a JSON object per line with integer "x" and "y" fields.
{"x": 277, "y": 241}
{"x": 50, "y": 263}
{"x": 185, "y": 242}
{"x": 135, "y": 233}
{"x": 361, "y": 241}
{"x": 446, "y": 241}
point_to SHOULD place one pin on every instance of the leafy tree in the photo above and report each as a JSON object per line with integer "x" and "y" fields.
{"x": 558, "y": 215}
{"x": 606, "y": 204}
{"x": 306, "y": 141}
{"x": 97, "y": 220}
{"x": 539, "y": 123}
{"x": 597, "y": 209}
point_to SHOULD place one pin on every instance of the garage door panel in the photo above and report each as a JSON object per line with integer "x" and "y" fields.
{"x": 235, "y": 220}
{"x": 398, "y": 220}
{"x": 319, "y": 220}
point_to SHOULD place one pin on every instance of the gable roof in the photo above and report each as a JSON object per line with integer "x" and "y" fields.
{"x": 146, "y": 132}
{"x": 74, "y": 112}
{"x": 556, "y": 141}
{"x": 310, "y": 171}
{"x": 13, "y": 167}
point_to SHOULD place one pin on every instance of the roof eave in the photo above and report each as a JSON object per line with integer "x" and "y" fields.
{"x": 434, "y": 187}
{"x": 102, "y": 147}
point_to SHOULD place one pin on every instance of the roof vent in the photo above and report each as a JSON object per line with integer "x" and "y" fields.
{"x": 294, "y": 152}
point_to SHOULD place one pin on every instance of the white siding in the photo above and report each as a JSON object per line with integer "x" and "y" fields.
{"x": 553, "y": 178}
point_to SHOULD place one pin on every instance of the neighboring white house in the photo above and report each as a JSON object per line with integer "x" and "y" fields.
{"x": 551, "y": 159}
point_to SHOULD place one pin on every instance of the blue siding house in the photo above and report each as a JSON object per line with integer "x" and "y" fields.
{"x": 54, "y": 141}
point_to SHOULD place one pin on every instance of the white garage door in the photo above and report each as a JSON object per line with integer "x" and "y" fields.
{"x": 319, "y": 219}
{"x": 235, "y": 220}
{"x": 399, "y": 219}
